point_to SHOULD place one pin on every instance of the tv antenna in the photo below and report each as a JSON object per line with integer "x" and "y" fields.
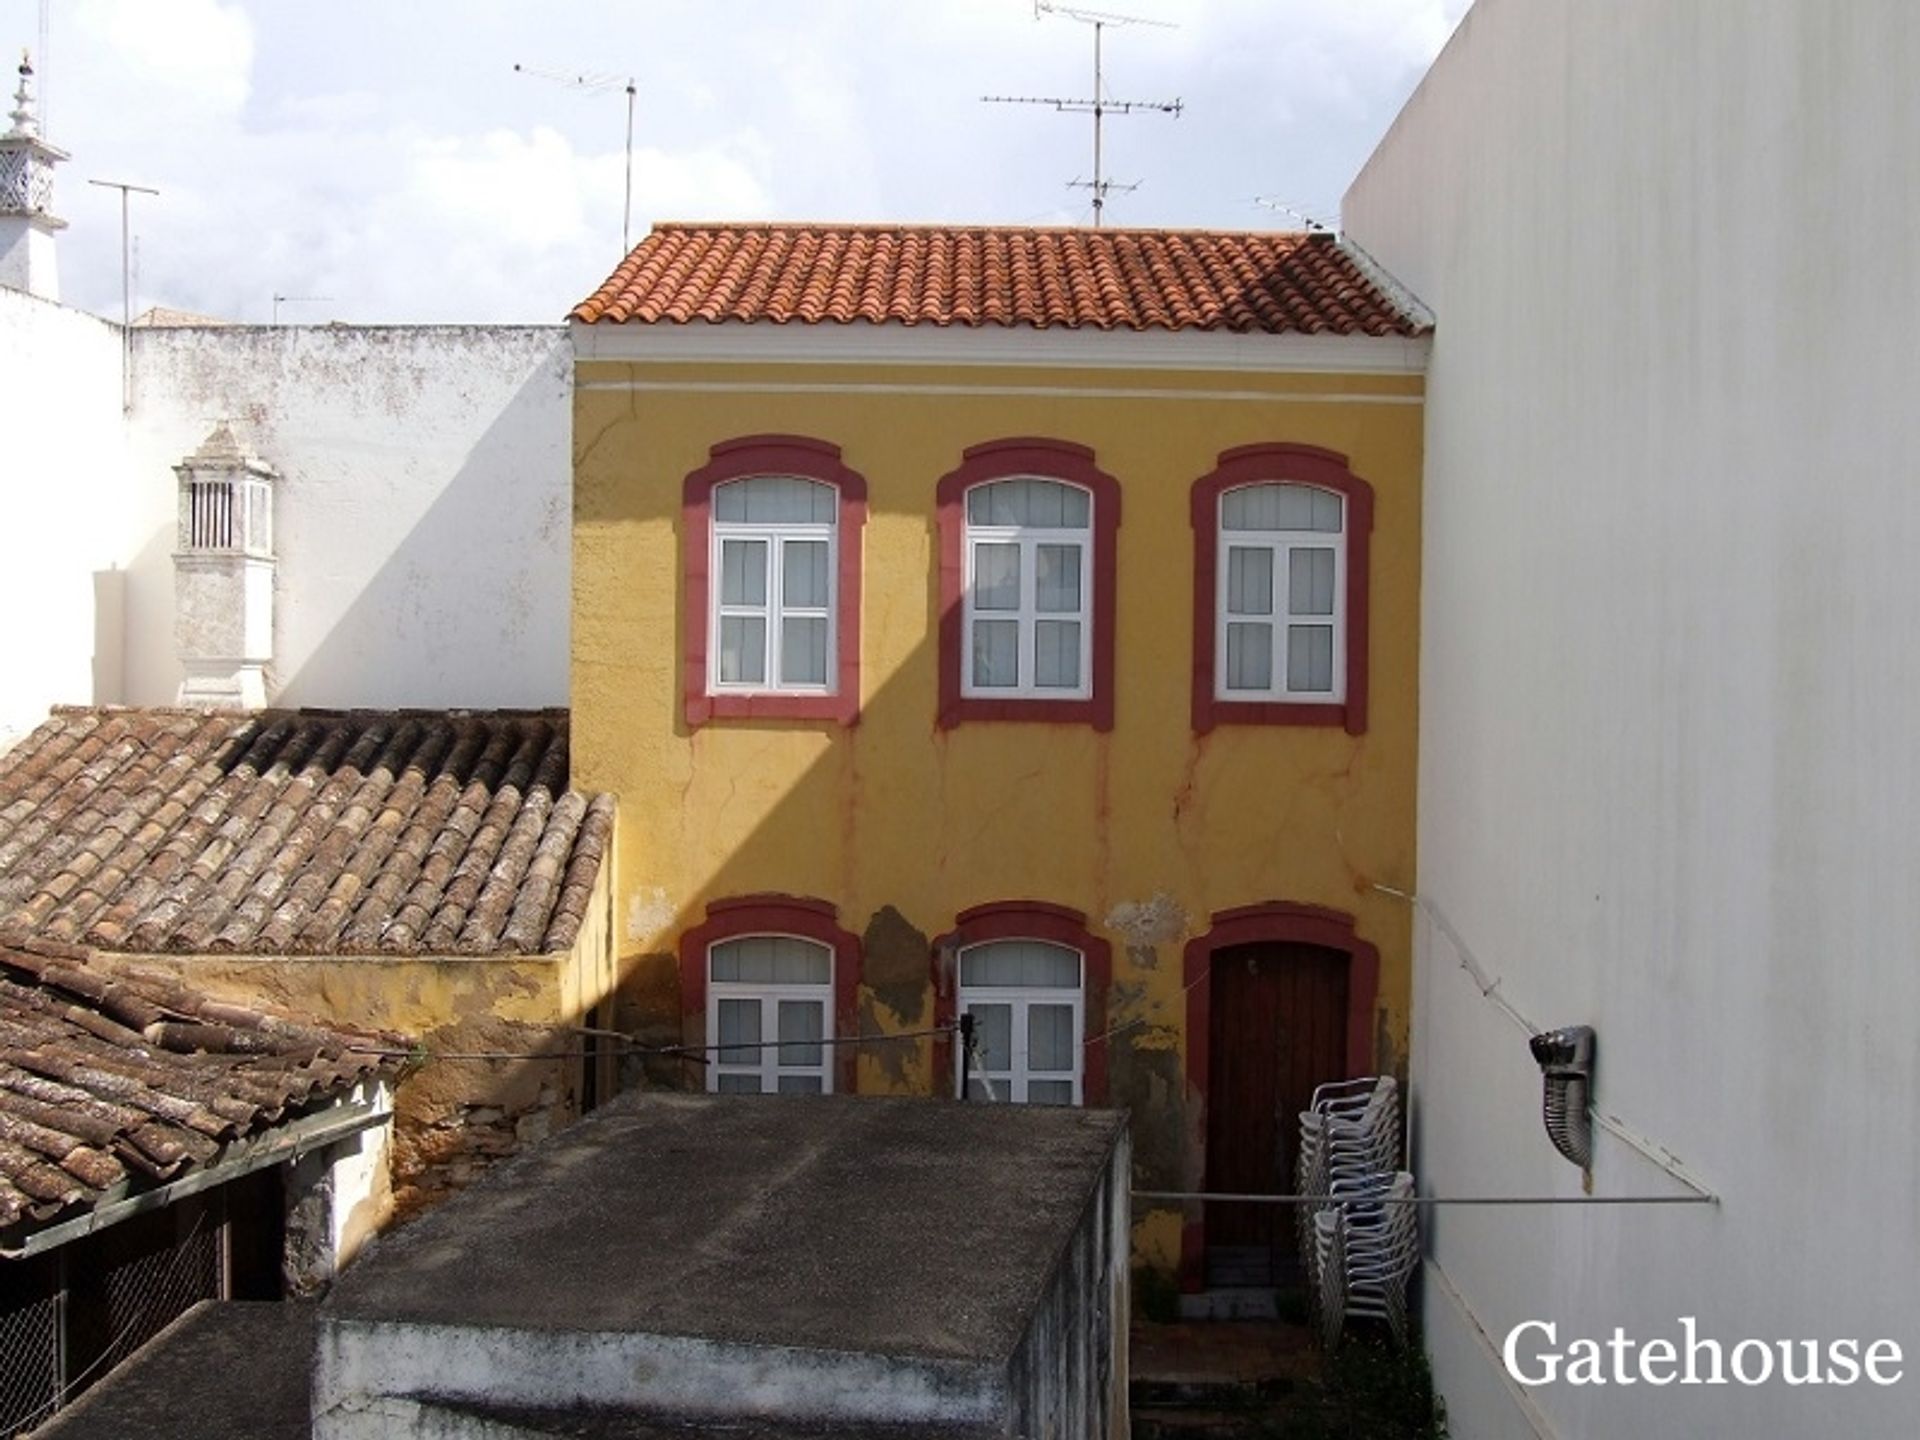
{"x": 126, "y": 190}
{"x": 1306, "y": 218}
{"x": 1099, "y": 106}
{"x": 590, "y": 82}
{"x": 279, "y": 300}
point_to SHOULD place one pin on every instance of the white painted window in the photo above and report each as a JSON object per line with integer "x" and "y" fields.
{"x": 769, "y": 1008}
{"x": 774, "y": 565}
{"x": 1028, "y": 1019}
{"x": 1029, "y": 591}
{"x": 1281, "y": 609}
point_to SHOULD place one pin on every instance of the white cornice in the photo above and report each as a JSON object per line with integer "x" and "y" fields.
{"x": 862, "y": 343}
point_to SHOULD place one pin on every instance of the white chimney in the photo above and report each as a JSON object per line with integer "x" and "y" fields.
{"x": 223, "y": 575}
{"x": 27, "y": 221}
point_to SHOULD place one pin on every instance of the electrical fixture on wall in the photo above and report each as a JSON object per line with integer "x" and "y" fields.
{"x": 1565, "y": 1057}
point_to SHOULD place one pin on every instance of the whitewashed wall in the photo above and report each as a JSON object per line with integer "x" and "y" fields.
{"x": 63, "y": 486}
{"x": 422, "y": 524}
{"x": 1670, "y": 681}
{"x": 423, "y": 517}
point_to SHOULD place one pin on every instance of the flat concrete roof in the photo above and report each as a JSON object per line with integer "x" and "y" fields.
{"x": 890, "y": 1226}
{"x": 225, "y": 1370}
{"x": 616, "y": 1425}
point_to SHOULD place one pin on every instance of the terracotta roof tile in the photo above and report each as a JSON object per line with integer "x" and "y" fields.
{"x": 111, "y": 1077}
{"x": 297, "y": 832}
{"x": 971, "y": 276}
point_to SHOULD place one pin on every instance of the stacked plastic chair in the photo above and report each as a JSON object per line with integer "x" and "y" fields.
{"x": 1360, "y": 1248}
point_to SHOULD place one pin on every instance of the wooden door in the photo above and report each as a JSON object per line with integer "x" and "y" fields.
{"x": 1279, "y": 1028}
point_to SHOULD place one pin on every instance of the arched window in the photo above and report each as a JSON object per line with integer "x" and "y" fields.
{"x": 1281, "y": 617}
{"x": 772, "y": 537}
{"x": 1029, "y": 1021}
{"x": 1281, "y": 536}
{"x": 1027, "y": 543}
{"x": 769, "y": 1008}
{"x": 766, "y": 985}
{"x": 1029, "y": 554}
{"x": 1036, "y": 982}
{"x": 773, "y": 549}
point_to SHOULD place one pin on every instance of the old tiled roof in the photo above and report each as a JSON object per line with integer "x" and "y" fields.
{"x": 974, "y": 276}
{"x": 111, "y": 1077}
{"x": 297, "y": 832}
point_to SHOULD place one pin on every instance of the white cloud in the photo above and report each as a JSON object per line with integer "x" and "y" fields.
{"x": 199, "y": 53}
{"x": 387, "y": 156}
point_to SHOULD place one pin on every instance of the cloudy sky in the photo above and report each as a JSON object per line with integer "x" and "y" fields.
{"x": 387, "y": 157}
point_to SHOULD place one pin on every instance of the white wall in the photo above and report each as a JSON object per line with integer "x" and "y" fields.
{"x": 423, "y": 517}
{"x": 1670, "y": 681}
{"x": 63, "y": 484}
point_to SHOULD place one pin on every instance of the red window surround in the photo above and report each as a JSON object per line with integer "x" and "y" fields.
{"x": 1271, "y": 920}
{"x": 796, "y": 915}
{"x": 771, "y": 455}
{"x": 1000, "y": 460}
{"x": 1254, "y": 465}
{"x": 1026, "y": 920}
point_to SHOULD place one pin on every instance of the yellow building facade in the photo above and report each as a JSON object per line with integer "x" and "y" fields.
{"x": 1202, "y": 855}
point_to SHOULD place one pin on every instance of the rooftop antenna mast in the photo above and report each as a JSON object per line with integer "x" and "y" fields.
{"x": 1306, "y": 218}
{"x": 1099, "y": 106}
{"x": 127, "y": 191}
{"x": 594, "y": 83}
{"x": 279, "y": 300}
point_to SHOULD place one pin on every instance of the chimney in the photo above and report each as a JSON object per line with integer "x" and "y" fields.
{"x": 223, "y": 575}
{"x": 27, "y": 221}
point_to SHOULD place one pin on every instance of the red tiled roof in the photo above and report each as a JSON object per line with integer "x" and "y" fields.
{"x": 111, "y": 1077}
{"x": 974, "y": 276}
{"x": 297, "y": 832}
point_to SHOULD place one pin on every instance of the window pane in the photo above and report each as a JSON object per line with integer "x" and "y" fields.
{"x": 743, "y": 649}
{"x": 774, "y": 500}
{"x": 800, "y": 1085}
{"x": 1002, "y": 963}
{"x": 1280, "y": 507}
{"x": 1041, "y": 504}
{"x": 1249, "y": 580}
{"x": 1249, "y": 657}
{"x": 1050, "y": 1092}
{"x": 992, "y": 1037}
{"x": 739, "y": 1027}
{"x": 772, "y": 960}
{"x": 1310, "y": 581}
{"x": 1056, "y": 578}
{"x": 996, "y": 577}
{"x": 738, "y": 1084}
{"x": 1050, "y": 1038}
{"x": 803, "y": 650}
{"x": 1056, "y": 653}
{"x": 802, "y": 1021}
{"x": 804, "y": 577}
{"x": 743, "y": 572}
{"x": 996, "y": 652}
{"x": 977, "y": 1090}
{"x": 1310, "y": 657}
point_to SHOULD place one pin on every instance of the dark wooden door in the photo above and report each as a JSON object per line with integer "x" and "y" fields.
{"x": 1279, "y": 1028}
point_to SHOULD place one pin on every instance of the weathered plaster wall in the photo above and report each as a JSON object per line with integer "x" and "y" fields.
{"x": 1148, "y": 829}
{"x": 421, "y": 523}
{"x": 482, "y": 1088}
{"x": 1669, "y": 691}
{"x": 63, "y": 489}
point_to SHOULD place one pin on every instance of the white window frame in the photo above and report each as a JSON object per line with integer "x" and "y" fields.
{"x": 775, "y": 536}
{"x": 1029, "y": 538}
{"x": 1011, "y": 1084}
{"x": 1281, "y": 544}
{"x": 767, "y": 1062}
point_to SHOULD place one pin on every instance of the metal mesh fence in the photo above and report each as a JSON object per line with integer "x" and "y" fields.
{"x": 29, "y": 1342}
{"x": 69, "y": 1317}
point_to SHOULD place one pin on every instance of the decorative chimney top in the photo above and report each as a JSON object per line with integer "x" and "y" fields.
{"x": 27, "y": 221}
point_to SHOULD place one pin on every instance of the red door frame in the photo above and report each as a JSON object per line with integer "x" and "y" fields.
{"x": 1276, "y": 921}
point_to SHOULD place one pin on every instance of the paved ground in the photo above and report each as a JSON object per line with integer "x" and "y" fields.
{"x": 1213, "y": 1352}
